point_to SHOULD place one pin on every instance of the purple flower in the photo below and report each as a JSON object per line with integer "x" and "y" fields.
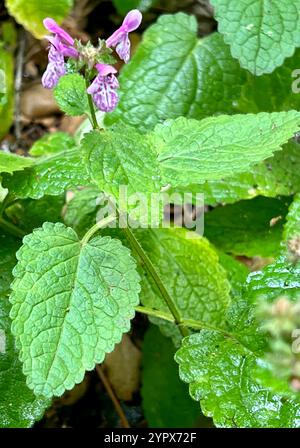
{"x": 120, "y": 39}
{"x": 103, "y": 88}
{"x": 61, "y": 47}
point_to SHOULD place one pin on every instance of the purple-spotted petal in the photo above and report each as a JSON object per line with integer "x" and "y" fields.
{"x": 50, "y": 77}
{"x": 54, "y": 28}
{"x": 132, "y": 21}
{"x": 123, "y": 48}
{"x": 104, "y": 92}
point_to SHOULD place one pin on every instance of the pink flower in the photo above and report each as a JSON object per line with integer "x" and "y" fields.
{"x": 61, "y": 47}
{"x": 103, "y": 88}
{"x": 120, "y": 38}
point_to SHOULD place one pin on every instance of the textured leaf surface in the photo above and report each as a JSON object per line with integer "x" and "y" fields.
{"x": 71, "y": 96}
{"x": 292, "y": 226}
{"x": 6, "y": 91}
{"x": 11, "y": 162}
{"x": 220, "y": 372}
{"x": 51, "y": 175}
{"x": 19, "y": 407}
{"x": 52, "y": 143}
{"x": 121, "y": 157}
{"x": 278, "y": 175}
{"x": 220, "y": 146}
{"x": 246, "y": 228}
{"x": 165, "y": 398}
{"x": 190, "y": 271}
{"x": 71, "y": 304}
{"x": 8, "y": 248}
{"x": 261, "y": 33}
{"x": 193, "y": 78}
{"x": 30, "y": 13}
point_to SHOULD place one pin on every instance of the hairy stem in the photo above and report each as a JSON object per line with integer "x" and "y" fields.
{"x": 92, "y": 109}
{"x": 11, "y": 228}
{"x": 99, "y": 225}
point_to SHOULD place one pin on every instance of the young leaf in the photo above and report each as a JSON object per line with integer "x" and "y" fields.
{"x": 219, "y": 146}
{"x": 121, "y": 156}
{"x": 174, "y": 74}
{"x": 190, "y": 271}
{"x": 11, "y": 162}
{"x": 71, "y": 96}
{"x": 260, "y": 35}
{"x": 165, "y": 398}
{"x": 30, "y": 13}
{"x": 50, "y": 175}
{"x": 71, "y": 303}
{"x": 251, "y": 228}
{"x": 220, "y": 371}
{"x": 52, "y": 143}
{"x": 292, "y": 226}
{"x": 124, "y": 6}
{"x": 8, "y": 248}
{"x": 6, "y": 91}
{"x": 19, "y": 407}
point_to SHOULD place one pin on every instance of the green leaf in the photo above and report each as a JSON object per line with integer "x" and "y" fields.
{"x": 71, "y": 303}
{"x": 31, "y": 13}
{"x": 121, "y": 156}
{"x": 8, "y": 248}
{"x": 278, "y": 175}
{"x": 237, "y": 274}
{"x": 261, "y": 34}
{"x": 220, "y": 371}
{"x": 71, "y": 96}
{"x": 124, "y": 6}
{"x": 219, "y": 146}
{"x": 277, "y": 279}
{"x": 50, "y": 175}
{"x": 292, "y": 226}
{"x": 11, "y": 162}
{"x": 19, "y": 407}
{"x": 6, "y": 91}
{"x": 173, "y": 74}
{"x": 246, "y": 228}
{"x": 166, "y": 402}
{"x": 52, "y": 143}
{"x": 190, "y": 271}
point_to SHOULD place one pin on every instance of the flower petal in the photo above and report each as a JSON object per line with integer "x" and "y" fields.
{"x": 133, "y": 20}
{"x": 54, "y": 28}
{"x": 104, "y": 69}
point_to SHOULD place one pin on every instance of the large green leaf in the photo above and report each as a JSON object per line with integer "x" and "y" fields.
{"x": 220, "y": 371}
{"x": 71, "y": 303}
{"x": 250, "y": 228}
{"x": 174, "y": 74}
{"x": 189, "y": 150}
{"x": 50, "y": 175}
{"x": 10, "y": 163}
{"x": 30, "y": 13}
{"x": 261, "y": 33}
{"x": 6, "y": 90}
{"x": 165, "y": 398}
{"x": 190, "y": 270}
{"x": 278, "y": 175}
{"x": 19, "y": 407}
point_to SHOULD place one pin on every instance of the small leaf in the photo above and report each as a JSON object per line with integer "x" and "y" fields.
{"x": 11, "y": 162}
{"x": 71, "y": 96}
{"x": 124, "y": 6}
{"x": 19, "y": 407}
{"x": 50, "y": 175}
{"x": 251, "y": 228}
{"x": 193, "y": 151}
{"x": 261, "y": 35}
{"x": 165, "y": 398}
{"x": 71, "y": 304}
{"x": 6, "y": 91}
{"x": 52, "y": 143}
{"x": 30, "y": 13}
{"x": 292, "y": 226}
{"x": 8, "y": 248}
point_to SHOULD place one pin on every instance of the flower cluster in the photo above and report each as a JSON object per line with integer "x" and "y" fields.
{"x": 104, "y": 87}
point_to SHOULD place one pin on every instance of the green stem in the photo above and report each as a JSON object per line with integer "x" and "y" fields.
{"x": 92, "y": 109}
{"x": 147, "y": 264}
{"x": 155, "y": 313}
{"x": 99, "y": 225}
{"x": 11, "y": 228}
